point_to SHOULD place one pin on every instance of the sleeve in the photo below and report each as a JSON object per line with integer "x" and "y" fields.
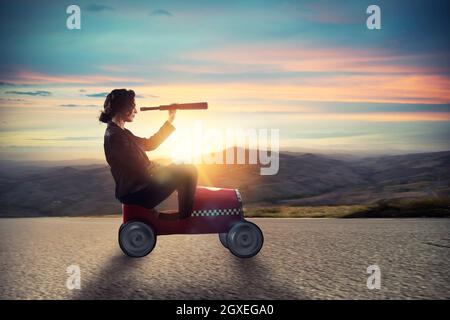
{"x": 154, "y": 141}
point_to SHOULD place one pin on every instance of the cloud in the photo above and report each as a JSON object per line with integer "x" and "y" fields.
{"x": 326, "y": 13}
{"x": 40, "y": 93}
{"x": 322, "y": 73}
{"x": 77, "y": 105}
{"x": 2, "y": 99}
{"x": 161, "y": 12}
{"x": 7, "y": 84}
{"x": 327, "y": 135}
{"x": 30, "y": 77}
{"x": 98, "y": 8}
{"x": 98, "y": 95}
{"x": 382, "y": 117}
{"x": 289, "y": 58}
{"x": 67, "y": 139}
{"x": 104, "y": 94}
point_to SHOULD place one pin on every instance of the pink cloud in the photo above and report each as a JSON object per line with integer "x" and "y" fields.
{"x": 374, "y": 75}
{"x": 31, "y": 77}
{"x": 379, "y": 116}
{"x": 303, "y": 58}
{"x": 328, "y": 13}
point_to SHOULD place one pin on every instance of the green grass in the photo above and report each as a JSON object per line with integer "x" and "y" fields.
{"x": 304, "y": 212}
{"x": 398, "y": 208}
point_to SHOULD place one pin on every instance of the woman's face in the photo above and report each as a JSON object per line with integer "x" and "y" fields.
{"x": 129, "y": 116}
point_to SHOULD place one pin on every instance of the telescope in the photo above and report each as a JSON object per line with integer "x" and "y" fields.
{"x": 179, "y": 106}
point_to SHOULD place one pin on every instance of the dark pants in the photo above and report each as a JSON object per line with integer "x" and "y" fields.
{"x": 163, "y": 182}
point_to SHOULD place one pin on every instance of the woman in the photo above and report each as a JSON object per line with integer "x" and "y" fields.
{"x": 139, "y": 180}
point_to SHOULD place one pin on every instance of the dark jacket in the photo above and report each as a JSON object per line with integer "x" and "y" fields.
{"x": 125, "y": 154}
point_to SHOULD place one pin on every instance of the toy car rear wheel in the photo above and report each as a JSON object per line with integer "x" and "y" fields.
{"x": 223, "y": 239}
{"x": 136, "y": 239}
{"x": 245, "y": 239}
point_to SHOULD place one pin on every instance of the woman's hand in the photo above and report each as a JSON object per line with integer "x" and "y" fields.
{"x": 172, "y": 115}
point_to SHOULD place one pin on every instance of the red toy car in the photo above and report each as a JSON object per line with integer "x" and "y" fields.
{"x": 216, "y": 210}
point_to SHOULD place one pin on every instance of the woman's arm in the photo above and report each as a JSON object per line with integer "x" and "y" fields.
{"x": 154, "y": 141}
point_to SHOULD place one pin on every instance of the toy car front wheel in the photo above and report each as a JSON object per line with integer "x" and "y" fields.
{"x": 223, "y": 239}
{"x": 136, "y": 239}
{"x": 245, "y": 239}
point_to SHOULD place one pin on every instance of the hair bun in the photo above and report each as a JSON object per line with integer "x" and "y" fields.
{"x": 118, "y": 100}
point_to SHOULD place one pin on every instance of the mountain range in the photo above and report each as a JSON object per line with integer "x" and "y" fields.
{"x": 304, "y": 179}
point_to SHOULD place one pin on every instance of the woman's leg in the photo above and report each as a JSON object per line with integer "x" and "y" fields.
{"x": 149, "y": 197}
{"x": 183, "y": 178}
{"x": 180, "y": 177}
{"x": 164, "y": 181}
{"x": 186, "y": 189}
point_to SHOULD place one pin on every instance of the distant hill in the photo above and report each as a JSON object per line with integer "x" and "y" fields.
{"x": 304, "y": 179}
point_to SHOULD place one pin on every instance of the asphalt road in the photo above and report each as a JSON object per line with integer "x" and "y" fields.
{"x": 301, "y": 259}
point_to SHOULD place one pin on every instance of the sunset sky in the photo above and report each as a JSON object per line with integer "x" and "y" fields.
{"x": 309, "y": 68}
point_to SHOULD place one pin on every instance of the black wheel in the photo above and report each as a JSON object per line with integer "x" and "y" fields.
{"x": 121, "y": 227}
{"x": 245, "y": 239}
{"x": 136, "y": 239}
{"x": 223, "y": 239}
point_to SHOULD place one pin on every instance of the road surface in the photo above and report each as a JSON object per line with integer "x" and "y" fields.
{"x": 301, "y": 259}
